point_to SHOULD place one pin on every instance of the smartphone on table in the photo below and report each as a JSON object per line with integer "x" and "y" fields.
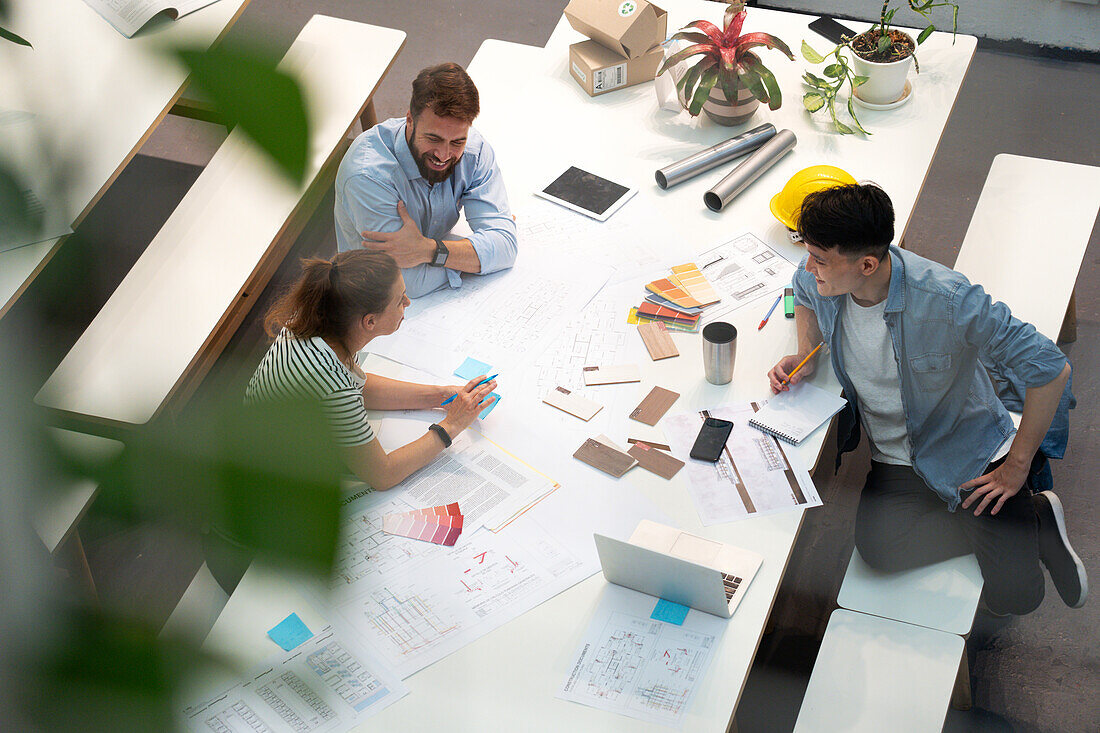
{"x": 830, "y": 29}
{"x": 711, "y": 439}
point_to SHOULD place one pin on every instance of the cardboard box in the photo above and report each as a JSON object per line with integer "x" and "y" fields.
{"x": 630, "y": 28}
{"x": 600, "y": 70}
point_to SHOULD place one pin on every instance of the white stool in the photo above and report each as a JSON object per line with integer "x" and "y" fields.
{"x": 943, "y": 596}
{"x": 874, "y": 674}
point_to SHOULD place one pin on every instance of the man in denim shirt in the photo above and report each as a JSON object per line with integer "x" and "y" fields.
{"x": 908, "y": 339}
{"x": 402, "y": 184}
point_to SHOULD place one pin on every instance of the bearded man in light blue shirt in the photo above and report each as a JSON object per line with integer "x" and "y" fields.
{"x": 925, "y": 358}
{"x": 402, "y": 184}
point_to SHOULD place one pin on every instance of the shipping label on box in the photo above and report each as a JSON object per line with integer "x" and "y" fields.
{"x": 630, "y": 28}
{"x": 599, "y": 70}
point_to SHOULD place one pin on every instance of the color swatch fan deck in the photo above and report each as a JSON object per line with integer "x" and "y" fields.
{"x": 438, "y": 524}
{"x": 677, "y": 300}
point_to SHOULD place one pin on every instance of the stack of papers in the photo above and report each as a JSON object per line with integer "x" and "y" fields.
{"x": 438, "y": 524}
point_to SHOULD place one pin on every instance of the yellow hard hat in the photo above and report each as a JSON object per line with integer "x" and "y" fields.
{"x": 786, "y": 203}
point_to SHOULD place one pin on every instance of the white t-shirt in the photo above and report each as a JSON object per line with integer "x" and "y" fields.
{"x": 296, "y": 368}
{"x": 872, "y": 368}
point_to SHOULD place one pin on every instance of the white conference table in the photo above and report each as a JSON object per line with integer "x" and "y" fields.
{"x": 539, "y": 122}
{"x": 96, "y": 96}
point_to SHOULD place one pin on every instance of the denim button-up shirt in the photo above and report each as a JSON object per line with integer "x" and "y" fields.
{"x": 944, "y": 329}
{"x": 379, "y": 170}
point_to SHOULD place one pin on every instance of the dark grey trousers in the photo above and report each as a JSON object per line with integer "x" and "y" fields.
{"x": 901, "y": 524}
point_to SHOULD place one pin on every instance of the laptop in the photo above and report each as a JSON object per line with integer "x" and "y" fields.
{"x": 680, "y": 567}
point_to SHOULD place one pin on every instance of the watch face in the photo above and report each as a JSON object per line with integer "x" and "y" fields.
{"x": 441, "y": 253}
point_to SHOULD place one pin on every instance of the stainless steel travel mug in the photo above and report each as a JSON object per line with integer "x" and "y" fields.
{"x": 715, "y": 155}
{"x": 749, "y": 170}
{"x": 719, "y": 351}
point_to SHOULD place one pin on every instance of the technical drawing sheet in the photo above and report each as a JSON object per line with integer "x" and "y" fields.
{"x": 627, "y": 243}
{"x": 743, "y": 270}
{"x": 490, "y": 484}
{"x": 329, "y": 683}
{"x": 753, "y": 477}
{"x": 416, "y": 602}
{"x": 631, "y": 664}
{"x": 505, "y": 318}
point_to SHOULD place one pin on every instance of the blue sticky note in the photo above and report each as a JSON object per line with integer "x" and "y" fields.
{"x": 490, "y": 408}
{"x": 670, "y": 612}
{"x": 290, "y": 632}
{"x": 472, "y": 368}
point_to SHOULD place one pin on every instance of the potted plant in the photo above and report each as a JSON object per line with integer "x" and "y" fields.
{"x": 728, "y": 81}
{"x": 878, "y": 67}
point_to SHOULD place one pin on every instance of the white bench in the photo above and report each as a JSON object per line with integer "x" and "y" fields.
{"x": 161, "y": 330}
{"x": 874, "y": 674}
{"x": 61, "y": 507}
{"x": 1028, "y": 235}
{"x": 198, "y": 608}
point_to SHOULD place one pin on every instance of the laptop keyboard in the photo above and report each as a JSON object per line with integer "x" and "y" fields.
{"x": 731, "y": 583}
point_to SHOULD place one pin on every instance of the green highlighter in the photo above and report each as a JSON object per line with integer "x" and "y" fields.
{"x": 788, "y": 302}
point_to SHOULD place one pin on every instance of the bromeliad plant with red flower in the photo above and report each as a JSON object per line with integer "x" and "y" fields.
{"x": 726, "y": 59}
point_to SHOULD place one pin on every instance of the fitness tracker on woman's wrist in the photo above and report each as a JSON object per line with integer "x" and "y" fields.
{"x": 442, "y": 433}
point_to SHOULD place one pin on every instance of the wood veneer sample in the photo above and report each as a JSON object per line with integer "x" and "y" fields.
{"x": 655, "y": 461}
{"x": 604, "y": 457}
{"x": 657, "y": 341}
{"x": 654, "y": 406}
{"x": 618, "y": 374}
{"x": 569, "y": 401}
{"x": 650, "y": 443}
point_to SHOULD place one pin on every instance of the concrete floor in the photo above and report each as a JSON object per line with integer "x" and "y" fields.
{"x": 1038, "y": 673}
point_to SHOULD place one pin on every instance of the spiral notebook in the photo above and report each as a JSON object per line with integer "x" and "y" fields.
{"x": 794, "y": 414}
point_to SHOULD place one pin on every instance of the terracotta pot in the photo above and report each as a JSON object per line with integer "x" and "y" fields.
{"x": 885, "y": 82}
{"x": 725, "y": 113}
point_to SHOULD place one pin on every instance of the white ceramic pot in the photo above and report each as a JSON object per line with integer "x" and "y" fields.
{"x": 885, "y": 82}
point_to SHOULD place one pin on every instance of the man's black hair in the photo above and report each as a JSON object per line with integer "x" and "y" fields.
{"x": 856, "y": 218}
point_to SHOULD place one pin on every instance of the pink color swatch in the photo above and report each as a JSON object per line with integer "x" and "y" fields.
{"x": 440, "y": 525}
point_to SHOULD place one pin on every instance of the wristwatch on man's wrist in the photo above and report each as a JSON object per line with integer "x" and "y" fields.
{"x": 439, "y": 259}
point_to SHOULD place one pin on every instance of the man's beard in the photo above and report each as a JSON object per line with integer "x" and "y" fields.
{"x": 430, "y": 174}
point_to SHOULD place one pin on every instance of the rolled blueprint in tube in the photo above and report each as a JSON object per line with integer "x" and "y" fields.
{"x": 715, "y": 155}
{"x": 750, "y": 169}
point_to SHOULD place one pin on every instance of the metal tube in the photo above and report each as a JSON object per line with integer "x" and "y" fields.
{"x": 749, "y": 170}
{"x": 715, "y": 155}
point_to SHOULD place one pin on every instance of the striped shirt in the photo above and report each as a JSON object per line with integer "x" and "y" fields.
{"x": 296, "y": 368}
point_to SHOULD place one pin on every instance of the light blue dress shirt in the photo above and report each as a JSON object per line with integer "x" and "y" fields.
{"x": 946, "y": 333}
{"x": 379, "y": 170}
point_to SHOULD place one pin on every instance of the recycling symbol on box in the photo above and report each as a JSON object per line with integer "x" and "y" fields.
{"x": 627, "y": 8}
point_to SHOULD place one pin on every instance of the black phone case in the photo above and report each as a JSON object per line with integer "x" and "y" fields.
{"x": 830, "y": 29}
{"x": 711, "y": 439}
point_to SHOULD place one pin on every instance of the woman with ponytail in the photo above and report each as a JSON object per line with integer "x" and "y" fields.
{"x": 334, "y": 310}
